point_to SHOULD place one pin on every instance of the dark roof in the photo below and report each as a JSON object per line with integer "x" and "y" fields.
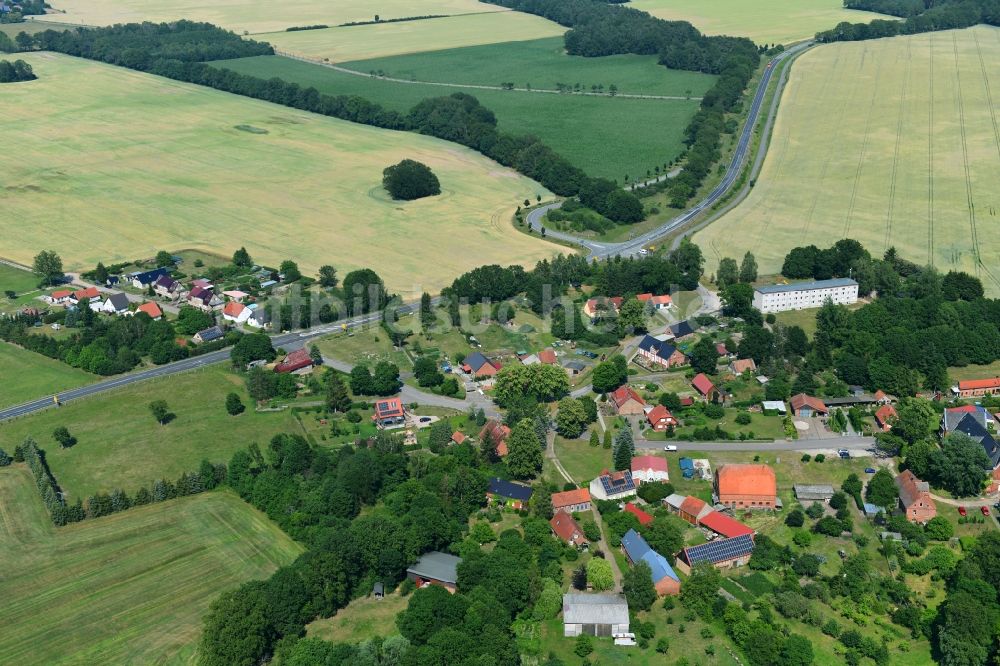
{"x": 578, "y": 366}
{"x": 970, "y": 426}
{"x": 617, "y": 482}
{"x": 509, "y": 489}
{"x": 262, "y": 315}
{"x": 165, "y": 281}
{"x": 720, "y": 550}
{"x": 475, "y": 360}
{"x": 658, "y": 347}
{"x": 436, "y": 566}
{"x": 213, "y": 333}
{"x": 147, "y": 277}
{"x": 119, "y": 301}
{"x": 680, "y": 329}
{"x": 638, "y": 550}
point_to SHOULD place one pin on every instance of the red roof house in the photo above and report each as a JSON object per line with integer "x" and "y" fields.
{"x": 741, "y": 365}
{"x": 724, "y": 525}
{"x": 971, "y": 388}
{"x": 59, "y": 296}
{"x": 236, "y": 311}
{"x": 659, "y": 302}
{"x": 571, "y": 501}
{"x": 885, "y": 416}
{"x": 649, "y": 468}
{"x": 295, "y": 360}
{"x": 915, "y": 496}
{"x": 389, "y": 411}
{"x": 746, "y": 486}
{"x": 547, "y": 356}
{"x": 806, "y": 405}
{"x": 499, "y": 434}
{"x": 564, "y": 527}
{"x": 692, "y": 509}
{"x": 152, "y": 309}
{"x": 627, "y": 402}
{"x": 597, "y": 306}
{"x": 661, "y": 419}
{"x": 644, "y": 518}
{"x": 703, "y": 385}
{"x": 89, "y": 292}
{"x": 458, "y": 437}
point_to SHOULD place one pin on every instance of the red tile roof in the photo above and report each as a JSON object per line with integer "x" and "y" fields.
{"x": 687, "y": 401}
{"x": 747, "y": 480}
{"x": 692, "y": 505}
{"x": 233, "y": 309}
{"x": 802, "y": 400}
{"x": 644, "y": 518}
{"x": 152, "y": 309}
{"x": 885, "y": 413}
{"x": 642, "y": 298}
{"x": 720, "y": 348}
{"x": 570, "y": 498}
{"x": 499, "y": 432}
{"x": 89, "y": 292}
{"x": 547, "y": 356}
{"x": 387, "y": 408}
{"x": 62, "y": 293}
{"x": 649, "y": 462}
{"x": 662, "y": 300}
{"x": 295, "y": 360}
{"x": 458, "y": 437}
{"x": 658, "y": 413}
{"x": 566, "y": 528}
{"x": 724, "y": 525}
{"x": 702, "y": 384}
{"x": 973, "y": 384}
{"x": 623, "y": 394}
{"x": 912, "y": 489}
{"x": 742, "y": 365}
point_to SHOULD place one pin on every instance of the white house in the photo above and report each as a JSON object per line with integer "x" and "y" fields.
{"x": 236, "y": 312}
{"x": 783, "y": 297}
{"x": 115, "y": 304}
{"x": 260, "y": 318}
{"x": 646, "y": 469}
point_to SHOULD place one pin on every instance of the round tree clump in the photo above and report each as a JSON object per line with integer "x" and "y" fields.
{"x": 410, "y": 180}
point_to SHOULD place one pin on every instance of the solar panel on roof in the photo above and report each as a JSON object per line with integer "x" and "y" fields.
{"x": 613, "y": 487}
{"x": 721, "y": 550}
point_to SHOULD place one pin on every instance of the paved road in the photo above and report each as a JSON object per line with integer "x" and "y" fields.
{"x": 857, "y": 445}
{"x": 632, "y": 246}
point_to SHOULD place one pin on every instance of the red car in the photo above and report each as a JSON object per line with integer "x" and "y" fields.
{"x": 961, "y": 510}
{"x": 985, "y": 509}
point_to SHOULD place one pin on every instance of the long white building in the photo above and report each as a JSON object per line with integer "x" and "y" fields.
{"x": 782, "y": 297}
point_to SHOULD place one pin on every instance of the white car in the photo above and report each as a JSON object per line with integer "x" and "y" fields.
{"x": 670, "y": 447}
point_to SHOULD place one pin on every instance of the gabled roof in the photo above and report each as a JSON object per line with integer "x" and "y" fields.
{"x": 911, "y": 488}
{"x": 61, "y": 293}
{"x": 657, "y": 414}
{"x": 509, "y": 489}
{"x": 973, "y": 384}
{"x": 209, "y": 334}
{"x": 499, "y": 432}
{"x": 458, "y": 437}
{"x": 885, "y": 413}
{"x": 674, "y": 500}
{"x": 547, "y": 356}
{"x": 682, "y": 328}
{"x": 476, "y": 360}
{"x": 656, "y": 347}
{"x": 118, "y": 301}
{"x": 618, "y": 482}
{"x": 748, "y": 479}
{"x": 639, "y": 551}
{"x": 623, "y": 394}
{"x": 566, "y": 528}
{"x": 233, "y": 309}
{"x": 649, "y": 462}
{"x": 802, "y": 400}
{"x": 720, "y": 348}
{"x": 702, "y": 384}
{"x": 150, "y": 308}
{"x": 165, "y": 281}
{"x": 570, "y": 498}
{"x": 954, "y": 415}
{"x": 971, "y": 426}
{"x": 204, "y": 293}
{"x": 603, "y": 609}
{"x": 720, "y": 550}
{"x": 644, "y": 518}
{"x": 298, "y": 359}
{"x": 722, "y": 524}
{"x": 89, "y": 292}
{"x": 436, "y": 566}
{"x": 741, "y": 365}
{"x": 146, "y": 277}
{"x": 694, "y": 506}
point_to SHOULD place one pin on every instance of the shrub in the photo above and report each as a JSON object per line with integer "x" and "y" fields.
{"x": 743, "y": 418}
{"x": 410, "y": 180}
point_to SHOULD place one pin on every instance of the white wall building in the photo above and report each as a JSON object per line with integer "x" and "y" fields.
{"x": 782, "y": 297}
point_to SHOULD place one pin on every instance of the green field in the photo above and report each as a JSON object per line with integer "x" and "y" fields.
{"x": 130, "y": 588}
{"x": 17, "y": 280}
{"x": 119, "y": 444}
{"x": 245, "y": 15}
{"x": 30, "y": 27}
{"x": 893, "y": 142}
{"x": 172, "y": 171}
{"x": 27, "y": 375}
{"x": 608, "y": 137}
{"x": 764, "y": 21}
{"x": 386, "y": 39}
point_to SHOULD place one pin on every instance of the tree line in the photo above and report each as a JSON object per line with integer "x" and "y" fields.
{"x": 918, "y": 17}
{"x": 598, "y": 29}
{"x": 14, "y": 72}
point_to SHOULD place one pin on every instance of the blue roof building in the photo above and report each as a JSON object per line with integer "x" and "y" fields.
{"x": 722, "y": 553}
{"x": 665, "y": 579}
{"x": 509, "y": 489}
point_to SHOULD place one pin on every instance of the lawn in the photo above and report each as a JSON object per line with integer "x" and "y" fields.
{"x": 361, "y": 620}
{"x": 128, "y": 588}
{"x": 764, "y": 21}
{"x": 891, "y": 142}
{"x": 975, "y": 372}
{"x": 608, "y": 137}
{"x": 387, "y": 39}
{"x": 16, "y": 280}
{"x": 309, "y": 188}
{"x": 28, "y": 375}
{"x": 245, "y": 15}
{"x": 119, "y": 444}
{"x": 582, "y": 461}
{"x": 540, "y": 63}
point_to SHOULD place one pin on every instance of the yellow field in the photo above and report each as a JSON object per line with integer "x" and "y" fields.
{"x": 362, "y": 42}
{"x": 763, "y": 21}
{"x": 114, "y": 164}
{"x": 893, "y": 142}
{"x": 250, "y": 16}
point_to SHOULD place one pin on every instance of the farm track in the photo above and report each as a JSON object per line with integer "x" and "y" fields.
{"x": 895, "y": 153}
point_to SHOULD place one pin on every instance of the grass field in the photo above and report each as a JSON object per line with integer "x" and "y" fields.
{"x": 361, "y": 620}
{"x": 387, "y": 39}
{"x": 607, "y": 137}
{"x": 172, "y": 171}
{"x": 975, "y": 372}
{"x": 119, "y": 444}
{"x": 30, "y": 27}
{"x": 125, "y": 589}
{"x": 245, "y": 15}
{"x": 764, "y": 21}
{"x": 27, "y": 375}
{"x": 893, "y": 142}
{"x": 16, "y": 280}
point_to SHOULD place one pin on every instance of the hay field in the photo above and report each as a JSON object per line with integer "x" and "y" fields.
{"x": 114, "y": 164}
{"x": 894, "y": 142}
{"x": 387, "y": 39}
{"x": 27, "y": 375}
{"x": 130, "y": 588}
{"x": 763, "y": 21}
{"x": 250, "y": 16}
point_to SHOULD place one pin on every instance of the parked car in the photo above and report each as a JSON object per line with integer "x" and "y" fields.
{"x": 985, "y": 509}
{"x": 961, "y": 511}
{"x": 844, "y": 453}
{"x": 869, "y": 470}
{"x": 670, "y": 447}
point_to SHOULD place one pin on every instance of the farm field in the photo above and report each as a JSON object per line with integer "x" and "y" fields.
{"x": 119, "y": 444}
{"x": 27, "y": 375}
{"x": 598, "y": 140}
{"x": 295, "y": 185}
{"x": 908, "y": 157}
{"x": 763, "y": 21}
{"x": 386, "y": 39}
{"x": 254, "y": 17}
{"x": 127, "y": 588}
{"x": 30, "y": 27}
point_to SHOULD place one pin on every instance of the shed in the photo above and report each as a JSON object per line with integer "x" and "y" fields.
{"x": 378, "y": 590}
{"x": 435, "y": 568}
{"x": 813, "y": 493}
{"x": 594, "y": 614}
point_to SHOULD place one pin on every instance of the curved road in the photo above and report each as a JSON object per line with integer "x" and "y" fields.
{"x": 600, "y": 250}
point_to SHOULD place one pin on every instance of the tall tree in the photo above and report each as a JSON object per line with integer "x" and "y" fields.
{"x": 160, "y": 411}
{"x": 242, "y": 258}
{"x": 637, "y": 584}
{"x": 631, "y": 317}
{"x": 49, "y": 267}
{"x": 728, "y": 273}
{"x": 327, "y": 276}
{"x": 337, "y": 399}
{"x": 748, "y": 268}
{"x": 624, "y": 448}
{"x": 610, "y": 374}
{"x": 704, "y": 356}
{"x": 882, "y": 490}
{"x": 427, "y": 316}
{"x": 571, "y": 418}
{"x": 290, "y": 270}
{"x": 524, "y": 457}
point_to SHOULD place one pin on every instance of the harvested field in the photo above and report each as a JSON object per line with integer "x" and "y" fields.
{"x": 893, "y": 142}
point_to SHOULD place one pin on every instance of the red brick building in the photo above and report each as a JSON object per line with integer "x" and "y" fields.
{"x": 746, "y": 486}
{"x": 627, "y": 402}
{"x": 915, "y": 497}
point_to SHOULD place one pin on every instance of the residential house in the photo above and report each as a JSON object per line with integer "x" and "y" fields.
{"x": 498, "y": 434}
{"x": 682, "y": 330}
{"x": 953, "y": 415}
{"x": 435, "y": 568}
{"x": 571, "y": 501}
{"x": 657, "y": 302}
{"x": 515, "y": 495}
{"x": 458, "y": 437}
{"x": 722, "y": 553}
{"x": 686, "y": 401}
{"x": 203, "y": 298}
{"x": 626, "y": 401}
{"x": 782, "y": 297}
{"x": 819, "y": 492}
{"x": 722, "y": 350}
{"x": 566, "y": 529}
{"x": 693, "y": 509}
{"x": 665, "y": 580}
{"x": 92, "y": 294}
{"x": 389, "y": 411}
{"x": 915, "y": 498}
{"x": 59, "y": 297}
{"x": 295, "y": 361}
{"x": 971, "y": 426}
{"x": 208, "y": 335}
{"x": 547, "y": 357}
{"x": 613, "y": 485}
{"x": 994, "y": 486}
{"x": 747, "y": 486}
{"x": 704, "y": 386}
{"x": 595, "y": 614}
{"x": 883, "y": 398}
{"x": 529, "y": 359}
{"x": 806, "y": 406}
{"x": 115, "y": 304}
{"x": 741, "y": 365}
{"x": 643, "y": 517}
{"x": 478, "y": 365}
{"x": 259, "y": 318}
{"x": 973, "y": 388}
{"x": 660, "y": 353}
{"x": 885, "y": 417}
{"x": 150, "y": 308}
{"x": 235, "y": 295}
{"x": 647, "y": 469}
{"x": 236, "y": 312}
{"x": 660, "y": 418}
{"x": 574, "y": 368}
{"x": 142, "y": 279}
{"x": 202, "y": 283}
{"x": 723, "y": 525}
{"x": 166, "y": 286}
{"x": 601, "y": 306}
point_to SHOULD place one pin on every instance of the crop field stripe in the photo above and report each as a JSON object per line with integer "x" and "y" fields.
{"x": 989, "y": 94}
{"x": 965, "y": 158}
{"x": 864, "y": 149}
{"x": 930, "y": 151}
{"x": 895, "y": 152}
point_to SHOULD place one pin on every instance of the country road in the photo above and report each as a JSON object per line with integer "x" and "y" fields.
{"x": 601, "y": 250}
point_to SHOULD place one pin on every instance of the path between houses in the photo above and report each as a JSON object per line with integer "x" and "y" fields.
{"x": 608, "y": 554}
